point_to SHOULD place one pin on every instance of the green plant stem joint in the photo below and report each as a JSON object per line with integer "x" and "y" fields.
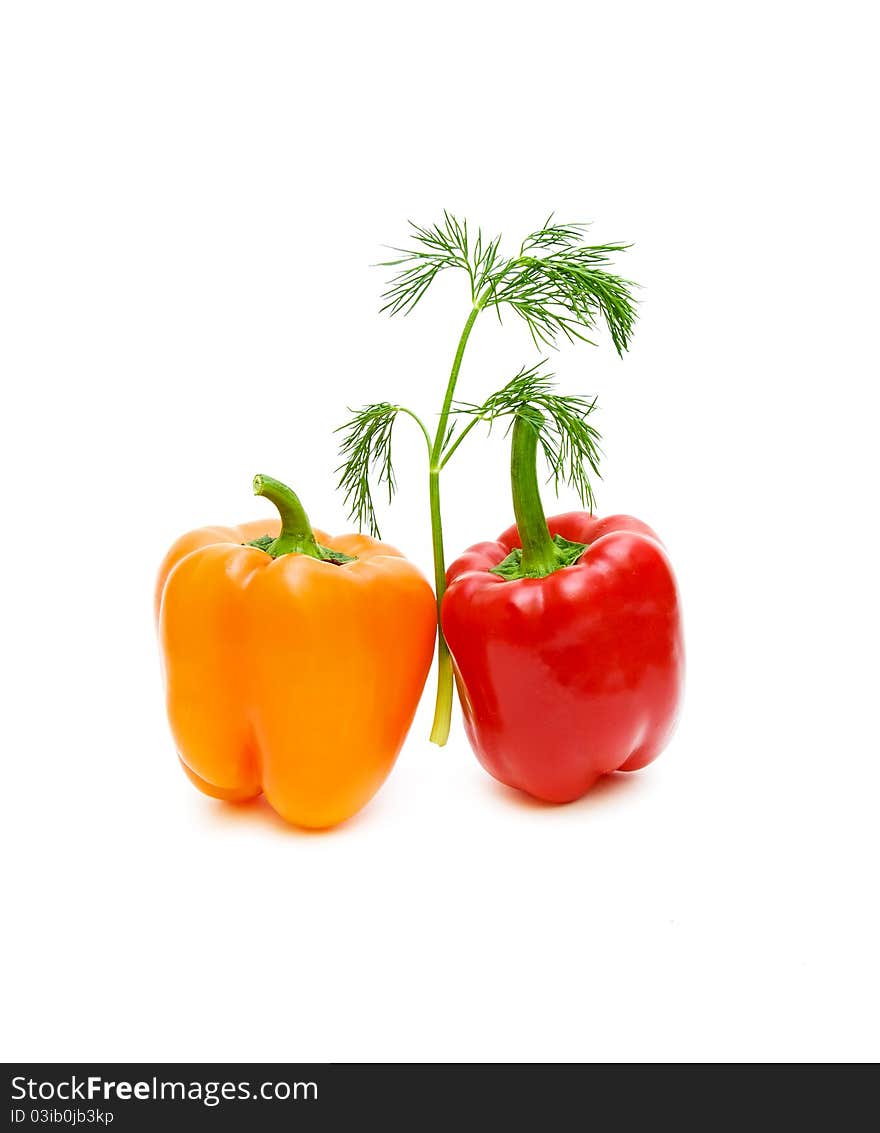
{"x": 296, "y": 536}
{"x": 541, "y": 553}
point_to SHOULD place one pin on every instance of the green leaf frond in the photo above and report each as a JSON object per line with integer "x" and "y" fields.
{"x": 569, "y": 442}
{"x": 558, "y": 285}
{"x": 366, "y": 454}
{"x": 552, "y": 236}
{"x": 434, "y": 249}
{"x": 366, "y": 459}
{"x": 567, "y": 293}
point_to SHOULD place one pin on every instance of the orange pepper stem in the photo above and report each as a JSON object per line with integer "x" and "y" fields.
{"x": 296, "y": 535}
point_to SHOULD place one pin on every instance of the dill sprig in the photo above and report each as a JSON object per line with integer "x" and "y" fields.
{"x": 558, "y": 285}
{"x": 366, "y": 449}
{"x": 446, "y": 245}
{"x": 366, "y": 456}
{"x": 569, "y": 442}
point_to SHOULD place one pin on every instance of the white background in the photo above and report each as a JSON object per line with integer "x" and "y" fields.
{"x": 192, "y": 195}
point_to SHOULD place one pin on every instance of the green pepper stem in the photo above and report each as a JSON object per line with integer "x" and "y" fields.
{"x": 296, "y": 536}
{"x": 540, "y": 556}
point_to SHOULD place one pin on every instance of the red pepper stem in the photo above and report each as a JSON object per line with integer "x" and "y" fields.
{"x": 540, "y": 555}
{"x": 296, "y": 535}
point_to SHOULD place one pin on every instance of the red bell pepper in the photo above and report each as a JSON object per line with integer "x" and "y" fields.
{"x": 566, "y": 640}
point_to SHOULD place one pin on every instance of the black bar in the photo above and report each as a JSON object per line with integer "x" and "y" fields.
{"x": 136, "y": 1096}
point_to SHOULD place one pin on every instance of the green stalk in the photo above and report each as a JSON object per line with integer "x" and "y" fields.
{"x": 443, "y": 705}
{"x": 540, "y": 555}
{"x": 296, "y": 536}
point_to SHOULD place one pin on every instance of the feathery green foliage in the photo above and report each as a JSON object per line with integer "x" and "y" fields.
{"x": 559, "y": 286}
{"x": 366, "y": 453}
{"x": 569, "y": 442}
{"x": 446, "y": 245}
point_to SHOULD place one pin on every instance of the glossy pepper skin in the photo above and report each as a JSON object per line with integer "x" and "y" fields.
{"x": 291, "y": 676}
{"x": 571, "y": 676}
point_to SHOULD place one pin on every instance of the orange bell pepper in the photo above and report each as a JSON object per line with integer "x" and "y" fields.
{"x": 293, "y": 661}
